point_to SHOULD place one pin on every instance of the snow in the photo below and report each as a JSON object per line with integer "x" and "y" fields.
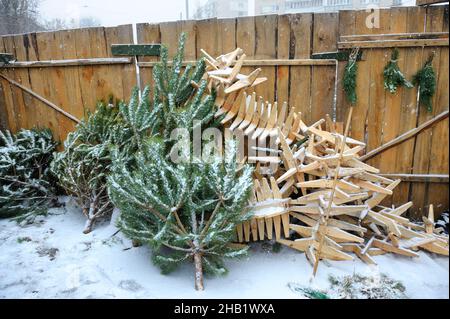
{"x": 52, "y": 258}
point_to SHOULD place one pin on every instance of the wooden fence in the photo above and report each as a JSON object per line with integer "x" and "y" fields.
{"x": 282, "y": 46}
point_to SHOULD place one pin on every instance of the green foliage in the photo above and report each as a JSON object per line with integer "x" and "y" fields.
{"x": 26, "y": 188}
{"x": 183, "y": 209}
{"x": 308, "y": 292}
{"x": 426, "y": 81}
{"x": 84, "y": 164}
{"x": 393, "y": 77}
{"x": 176, "y": 104}
{"x": 187, "y": 207}
{"x": 349, "y": 81}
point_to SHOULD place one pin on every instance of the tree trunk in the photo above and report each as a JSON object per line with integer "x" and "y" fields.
{"x": 198, "y": 271}
{"x": 88, "y": 226}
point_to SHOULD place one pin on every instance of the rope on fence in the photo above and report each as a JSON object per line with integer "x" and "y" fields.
{"x": 40, "y": 98}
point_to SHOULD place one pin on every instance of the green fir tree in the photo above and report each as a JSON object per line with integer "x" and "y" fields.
{"x": 186, "y": 211}
{"x": 26, "y": 187}
{"x": 85, "y": 163}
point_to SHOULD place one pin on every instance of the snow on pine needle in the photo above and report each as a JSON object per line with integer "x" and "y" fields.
{"x": 26, "y": 187}
{"x": 185, "y": 211}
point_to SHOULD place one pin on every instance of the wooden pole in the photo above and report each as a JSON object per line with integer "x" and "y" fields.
{"x": 68, "y": 62}
{"x": 330, "y": 203}
{"x": 405, "y": 136}
{"x": 40, "y": 98}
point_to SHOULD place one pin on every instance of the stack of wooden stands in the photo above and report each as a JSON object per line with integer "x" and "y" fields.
{"x": 355, "y": 221}
{"x": 253, "y": 116}
{"x": 323, "y": 199}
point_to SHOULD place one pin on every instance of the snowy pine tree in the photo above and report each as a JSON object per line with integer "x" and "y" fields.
{"x": 186, "y": 211}
{"x": 26, "y": 188}
{"x": 84, "y": 164}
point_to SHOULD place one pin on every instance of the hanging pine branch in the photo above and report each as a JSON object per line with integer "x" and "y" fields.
{"x": 26, "y": 187}
{"x": 393, "y": 77}
{"x": 185, "y": 211}
{"x": 425, "y": 79}
{"x": 350, "y": 73}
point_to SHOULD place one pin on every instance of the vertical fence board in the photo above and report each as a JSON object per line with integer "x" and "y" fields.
{"x": 434, "y": 22}
{"x": 346, "y": 27}
{"x": 227, "y": 35}
{"x": 300, "y": 76}
{"x": 393, "y": 102}
{"x": 7, "y": 107}
{"x": 283, "y": 40}
{"x": 246, "y": 40}
{"x": 72, "y": 76}
{"x": 3, "y": 107}
{"x": 325, "y": 38}
{"x": 43, "y": 115}
{"x": 18, "y": 106}
{"x": 266, "y": 48}
{"x": 359, "y": 118}
{"x": 86, "y": 73}
{"x": 377, "y": 59}
{"x": 408, "y": 107}
{"x": 169, "y": 36}
{"x": 147, "y": 33}
{"x": 438, "y": 193}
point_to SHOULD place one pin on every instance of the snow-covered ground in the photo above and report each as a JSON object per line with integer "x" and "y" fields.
{"x": 53, "y": 259}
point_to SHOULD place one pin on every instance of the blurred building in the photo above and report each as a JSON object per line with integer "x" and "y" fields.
{"x": 294, "y": 6}
{"x": 222, "y": 9}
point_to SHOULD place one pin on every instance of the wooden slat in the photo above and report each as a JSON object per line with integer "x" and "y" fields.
{"x": 300, "y": 77}
{"x": 439, "y": 154}
{"x": 147, "y": 33}
{"x": 265, "y": 48}
{"x": 6, "y": 107}
{"x": 393, "y": 102}
{"x": 428, "y": 2}
{"x": 435, "y": 21}
{"x": 128, "y": 71}
{"x": 408, "y": 110}
{"x": 378, "y": 99}
{"x": 394, "y": 43}
{"x": 18, "y": 104}
{"x": 421, "y": 178}
{"x": 346, "y": 27}
{"x": 283, "y": 47}
{"x": 325, "y": 36}
{"x": 264, "y": 62}
{"x": 68, "y": 62}
{"x": 396, "y": 36}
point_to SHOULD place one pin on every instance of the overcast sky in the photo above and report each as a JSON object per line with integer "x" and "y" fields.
{"x": 115, "y": 12}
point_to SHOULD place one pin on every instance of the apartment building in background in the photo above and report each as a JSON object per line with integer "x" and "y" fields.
{"x": 295, "y": 6}
{"x": 222, "y": 9}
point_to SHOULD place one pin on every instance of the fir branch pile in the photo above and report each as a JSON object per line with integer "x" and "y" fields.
{"x": 186, "y": 211}
{"x": 83, "y": 166}
{"x": 26, "y": 188}
{"x": 393, "y": 77}
{"x": 425, "y": 79}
